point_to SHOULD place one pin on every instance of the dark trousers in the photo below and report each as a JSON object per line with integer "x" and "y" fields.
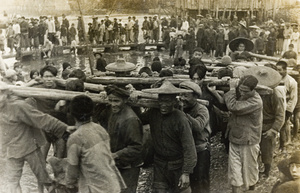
{"x": 166, "y": 176}
{"x": 219, "y": 50}
{"x": 130, "y": 177}
{"x": 199, "y": 179}
{"x": 24, "y": 40}
{"x": 51, "y": 37}
{"x": 284, "y": 131}
{"x": 267, "y": 145}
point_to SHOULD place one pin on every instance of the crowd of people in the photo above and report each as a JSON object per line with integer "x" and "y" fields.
{"x": 177, "y": 33}
{"x": 104, "y": 146}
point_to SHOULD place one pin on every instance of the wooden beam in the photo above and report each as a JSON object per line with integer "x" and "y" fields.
{"x": 132, "y": 80}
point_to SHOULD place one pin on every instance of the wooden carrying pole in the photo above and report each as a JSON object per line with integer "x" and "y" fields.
{"x": 132, "y": 80}
{"x": 271, "y": 58}
{"x": 87, "y": 86}
{"x": 54, "y": 94}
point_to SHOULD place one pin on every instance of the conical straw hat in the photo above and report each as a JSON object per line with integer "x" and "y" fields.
{"x": 167, "y": 88}
{"x": 120, "y": 66}
{"x": 265, "y": 75}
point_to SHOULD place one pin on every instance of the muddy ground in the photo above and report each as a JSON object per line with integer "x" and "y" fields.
{"x": 218, "y": 172}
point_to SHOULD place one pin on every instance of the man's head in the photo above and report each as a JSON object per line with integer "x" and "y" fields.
{"x": 166, "y": 103}
{"x": 77, "y": 73}
{"x": 98, "y": 55}
{"x": 246, "y": 85}
{"x": 75, "y": 84}
{"x": 117, "y": 97}
{"x": 190, "y": 99}
{"x": 294, "y": 165}
{"x": 197, "y": 73}
{"x": 291, "y": 47}
{"x": 66, "y": 66}
{"x": 81, "y": 108}
{"x": 48, "y": 73}
{"x": 197, "y": 53}
{"x": 282, "y": 68}
{"x": 18, "y": 67}
{"x": 34, "y": 74}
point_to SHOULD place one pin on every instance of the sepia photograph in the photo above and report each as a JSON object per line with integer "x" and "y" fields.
{"x": 149, "y": 96}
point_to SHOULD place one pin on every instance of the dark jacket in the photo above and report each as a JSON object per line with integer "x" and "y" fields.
{"x": 172, "y": 137}
{"x": 199, "y": 117}
{"x": 126, "y": 137}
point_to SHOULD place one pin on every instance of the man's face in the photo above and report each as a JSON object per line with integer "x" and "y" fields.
{"x": 166, "y": 103}
{"x": 244, "y": 90}
{"x": 197, "y": 54}
{"x": 196, "y": 79}
{"x": 18, "y": 69}
{"x": 117, "y": 103}
{"x": 48, "y": 79}
{"x": 295, "y": 170}
{"x": 281, "y": 71}
{"x": 188, "y": 99}
{"x": 241, "y": 47}
{"x": 97, "y": 56}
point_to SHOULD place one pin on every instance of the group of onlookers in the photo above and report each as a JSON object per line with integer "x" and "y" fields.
{"x": 213, "y": 35}
{"x": 32, "y": 33}
{"x": 177, "y": 33}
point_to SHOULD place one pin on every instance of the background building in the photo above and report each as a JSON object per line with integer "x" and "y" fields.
{"x": 242, "y": 8}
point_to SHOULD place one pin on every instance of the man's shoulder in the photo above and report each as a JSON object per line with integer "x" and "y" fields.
{"x": 179, "y": 115}
{"x": 200, "y": 107}
{"x": 290, "y": 79}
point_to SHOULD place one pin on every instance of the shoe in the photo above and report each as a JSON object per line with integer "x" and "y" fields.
{"x": 252, "y": 187}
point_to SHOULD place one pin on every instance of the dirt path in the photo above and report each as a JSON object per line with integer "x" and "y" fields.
{"x": 218, "y": 172}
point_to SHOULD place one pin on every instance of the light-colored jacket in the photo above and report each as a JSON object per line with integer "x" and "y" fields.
{"x": 90, "y": 162}
{"x": 21, "y": 126}
{"x": 245, "y": 122}
{"x": 51, "y": 26}
{"x": 291, "y": 87}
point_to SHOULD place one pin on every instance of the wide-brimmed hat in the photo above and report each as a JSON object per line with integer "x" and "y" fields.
{"x": 199, "y": 15}
{"x": 167, "y": 88}
{"x": 120, "y": 66}
{"x": 233, "y": 45}
{"x": 265, "y": 75}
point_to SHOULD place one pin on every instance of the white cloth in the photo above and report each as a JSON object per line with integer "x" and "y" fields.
{"x": 185, "y": 26}
{"x": 51, "y": 26}
{"x": 16, "y": 28}
{"x": 294, "y": 40}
